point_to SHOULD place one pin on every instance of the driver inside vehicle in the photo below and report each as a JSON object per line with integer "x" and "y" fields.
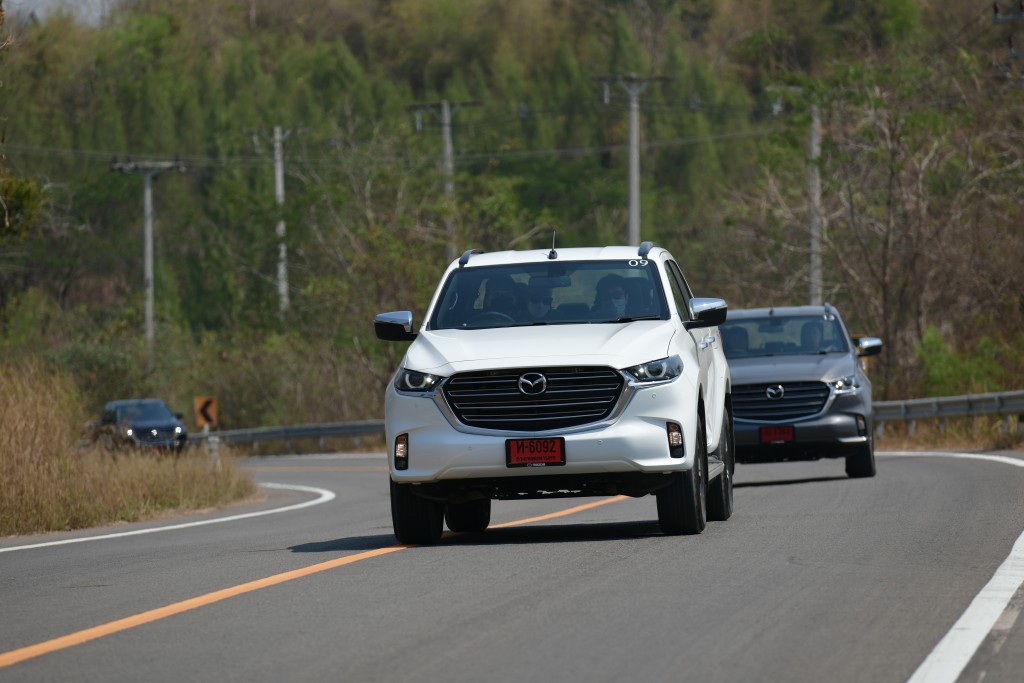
{"x": 500, "y": 295}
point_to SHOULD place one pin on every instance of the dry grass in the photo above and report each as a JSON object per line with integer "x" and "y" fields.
{"x": 982, "y": 433}
{"x": 50, "y": 483}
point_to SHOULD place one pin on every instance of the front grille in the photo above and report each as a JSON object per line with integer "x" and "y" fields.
{"x": 800, "y": 399}
{"x": 147, "y": 436}
{"x": 491, "y": 399}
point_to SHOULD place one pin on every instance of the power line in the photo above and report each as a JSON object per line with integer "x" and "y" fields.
{"x": 225, "y": 162}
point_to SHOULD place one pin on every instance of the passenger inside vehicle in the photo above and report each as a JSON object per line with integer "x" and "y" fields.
{"x": 610, "y": 299}
{"x": 737, "y": 341}
{"x": 810, "y": 337}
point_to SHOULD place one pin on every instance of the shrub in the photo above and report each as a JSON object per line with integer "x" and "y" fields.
{"x": 51, "y": 482}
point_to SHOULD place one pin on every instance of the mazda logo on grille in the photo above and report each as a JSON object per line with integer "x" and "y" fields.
{"x": 774, "y": 393}
{"x": 533, "y": 383}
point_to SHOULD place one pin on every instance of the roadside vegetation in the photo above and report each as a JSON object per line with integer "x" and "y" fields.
{"x": 51, "y": 483}
{"x": 921, "y": 169}
{"x": 972, "y": 434}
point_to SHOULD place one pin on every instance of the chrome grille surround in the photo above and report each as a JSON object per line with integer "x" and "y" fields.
{"x": 801, "y": 400}
{"x": 492, "y": 400}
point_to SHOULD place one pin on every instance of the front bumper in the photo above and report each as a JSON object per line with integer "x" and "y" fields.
{"x": 176, "y": 443}
{"x": 633, "y": 440}
{"x": 829, "y": 435}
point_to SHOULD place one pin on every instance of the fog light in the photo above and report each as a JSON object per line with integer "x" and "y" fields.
{"x": 675, "y": 440}
{"x": 402, "y": 452}
{"x": 862, "y": 425}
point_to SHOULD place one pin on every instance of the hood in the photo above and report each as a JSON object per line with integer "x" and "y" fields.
{"x": 445, "y": 352}
{"x": 772, "y": 369}
{"x": 169, "y": 423}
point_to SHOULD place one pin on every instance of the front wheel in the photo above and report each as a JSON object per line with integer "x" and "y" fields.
{"x": 720, "y": 490}
{"x": 471, "y": 517}
{"x": 417, "y": 521}
{"x": 862, "y": 463}
{"x": 681, "y": 504}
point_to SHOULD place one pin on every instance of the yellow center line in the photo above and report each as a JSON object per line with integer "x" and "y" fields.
{"x": 560, "y": 513}
{"x": 110, "y": 628}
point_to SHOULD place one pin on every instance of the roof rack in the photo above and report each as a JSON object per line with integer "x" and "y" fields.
{"x": 464, "y": 259}
{"x": 645, "y": 248}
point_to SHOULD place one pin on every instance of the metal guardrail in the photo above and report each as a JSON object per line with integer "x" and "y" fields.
{"x": 1005, "y": 403}
{"x": 289, "y": 433}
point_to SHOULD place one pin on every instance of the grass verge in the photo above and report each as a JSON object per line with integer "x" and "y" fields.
{"x": 978, "y": 433}
{"x": 50, "y": 483}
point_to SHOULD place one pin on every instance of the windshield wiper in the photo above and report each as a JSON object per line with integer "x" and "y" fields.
{"x": 634, "y": 318}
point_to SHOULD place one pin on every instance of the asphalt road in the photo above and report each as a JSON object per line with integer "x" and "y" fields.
{"x": 815, "y": 578}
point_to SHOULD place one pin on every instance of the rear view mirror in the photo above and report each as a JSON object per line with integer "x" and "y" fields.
{"x": 707, "y": 312}
{"x": 869, "y": 346}
{"x": 394, "y": 326}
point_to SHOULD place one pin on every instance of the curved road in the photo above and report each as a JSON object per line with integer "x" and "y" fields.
{"x": 816, "y": 577}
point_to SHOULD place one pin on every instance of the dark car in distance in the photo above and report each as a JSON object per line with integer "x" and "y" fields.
{"x": 141, "y": 422}
{"x": 800, "y": 390}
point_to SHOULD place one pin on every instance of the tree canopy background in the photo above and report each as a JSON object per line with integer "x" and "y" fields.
{"x": 922, "y": 166}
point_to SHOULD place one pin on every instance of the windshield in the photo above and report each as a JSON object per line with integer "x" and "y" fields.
{"x": 783, "y": 336}
{"x": 550, "y": 293}
{"x": 144, "y": 412}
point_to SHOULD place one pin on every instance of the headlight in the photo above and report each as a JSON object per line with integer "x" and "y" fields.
{"x": 657, "y": 370}
{"x": 419, "y": 382}
{"x": 845, "y": 385}
{"x": 178, "y": 430}
{"x": 129, "y": 431}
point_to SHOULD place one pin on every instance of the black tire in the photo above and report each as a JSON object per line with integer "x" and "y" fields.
{"x": 681, "y": 504}
{"x": 471, "y": 517}
{"x": 720, "y": 490}
{"x": 417, "y": 521}
{"x": 861, "y": 464}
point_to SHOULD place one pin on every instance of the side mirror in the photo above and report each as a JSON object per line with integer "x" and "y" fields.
{"x": 707, "y": 312}
{"x": 180, "y": 416}
{"x": 869, "y": 346}
{"x": 394, "y": 326}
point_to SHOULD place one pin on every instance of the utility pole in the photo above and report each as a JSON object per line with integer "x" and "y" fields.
{"x": 633, "y": 85}
{"x": 282, "y": 248}
{"x": 446, "y": 111}
{"x": 814, "y": 204}
{"x": 449, "y": 179}
{"x": 814, "y": 220}
{"x": 148, "y": 170}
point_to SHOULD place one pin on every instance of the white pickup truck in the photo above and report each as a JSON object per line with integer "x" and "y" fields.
{"x": 577, "y": 372}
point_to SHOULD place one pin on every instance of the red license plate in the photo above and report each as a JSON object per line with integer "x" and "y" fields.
{"x": 777, "y": 434}
{"x": 535, "y": 452}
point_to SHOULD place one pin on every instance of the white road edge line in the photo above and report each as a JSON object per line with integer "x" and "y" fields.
{"x": 954, "y": 652}
{"x": 324, "y": 497}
